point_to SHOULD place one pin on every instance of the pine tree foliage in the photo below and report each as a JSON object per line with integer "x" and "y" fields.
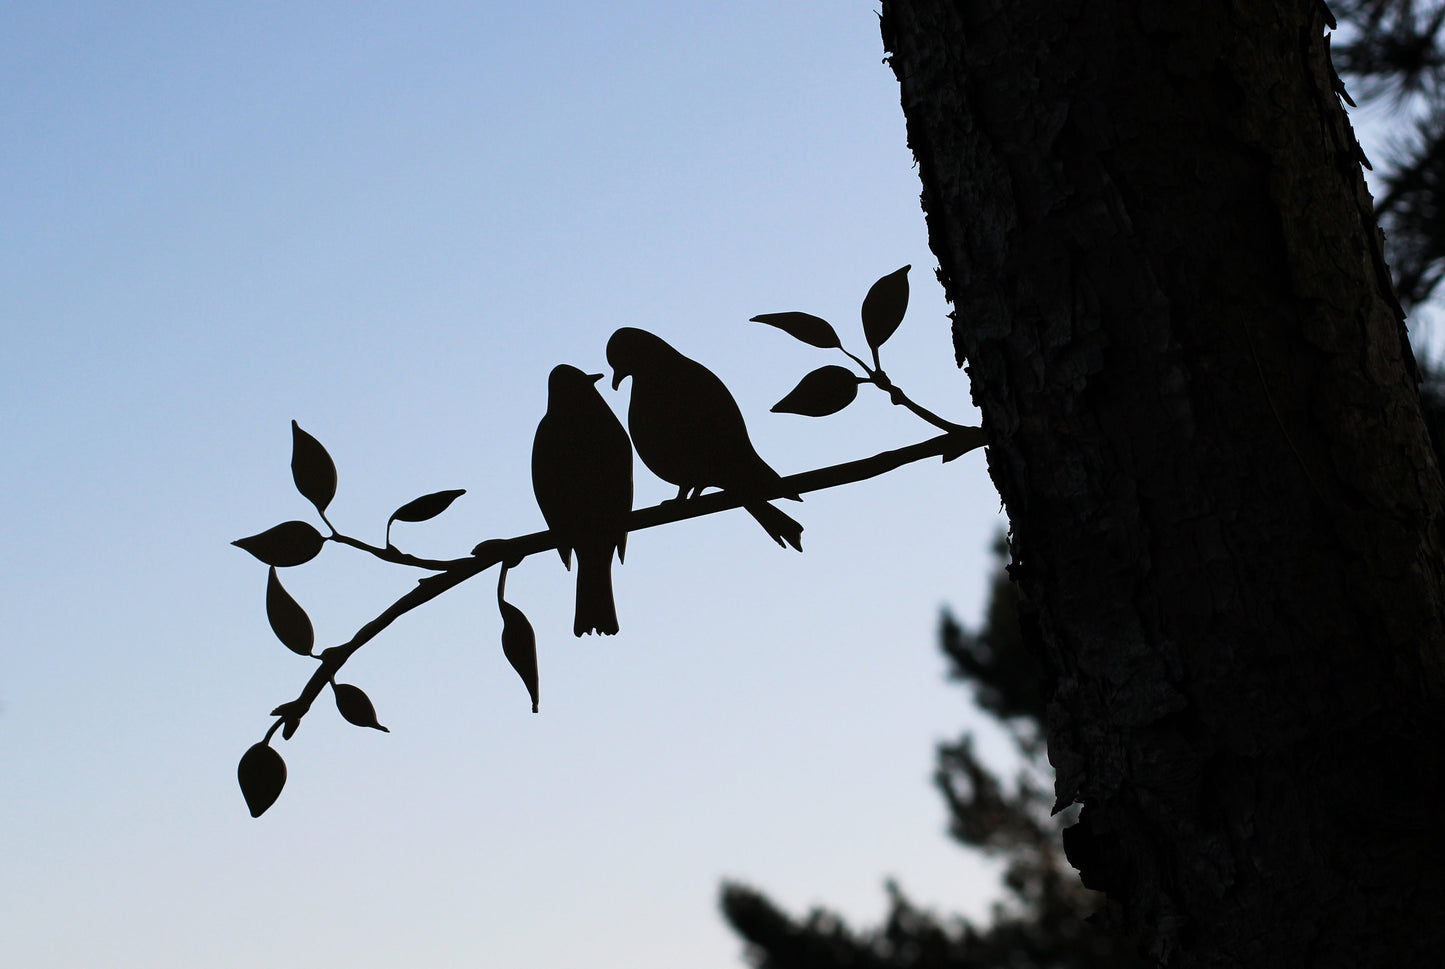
{"x": 1004, "y": 676}
{"x": 1393, "y": 54}
{"x": 1042, "y": 923}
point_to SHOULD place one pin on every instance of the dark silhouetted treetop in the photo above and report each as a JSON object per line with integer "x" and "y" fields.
{"x": 915, "y": 938}
{"x": 1004, "y": 676}
{"x": 1042, "y": 923}
{"x": 1392, "y": 53}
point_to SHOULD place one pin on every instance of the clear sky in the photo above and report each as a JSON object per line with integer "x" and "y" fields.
{"x": 388, "y": 221}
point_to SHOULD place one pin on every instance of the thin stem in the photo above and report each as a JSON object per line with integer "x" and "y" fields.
{"x": 896, "y": 394}
{"x": 393, "y": 554}
{"x": 866, "y": 369}
{"x": 879, "y": 379}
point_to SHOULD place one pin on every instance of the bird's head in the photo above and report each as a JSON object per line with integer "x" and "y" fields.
{"x": 628, "y": 347}
{"x": 567, "y": 381}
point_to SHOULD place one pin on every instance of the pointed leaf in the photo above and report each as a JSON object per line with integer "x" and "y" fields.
{"x": 519, "y": 645}
{"x": 425, "y": 507}
{"x": 312, "y": 469}
{"x": 356, "y": 706}
{"x": 825, "y": 391}
{"x": 288, "y": 620}
{"x": 883, "y": 308}
{"x": 262, "y": 774}
{"x": 811, "y": 329}
{"x": 289, "y": 543}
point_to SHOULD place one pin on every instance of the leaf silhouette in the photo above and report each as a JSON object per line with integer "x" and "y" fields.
{"x": 825, "y": 391}
{"x": 811, "y": 329}
{"x": 425, "y": 507}
{"x": 288, "y": 620}
{"x": 312, "y": 469}
{"x": 262, "y": 774}
{"x": 287, "y": 544}
{"x": 883, "y": 308}
{"x": 519, "y": 645}
{"x": 356, "y": 706}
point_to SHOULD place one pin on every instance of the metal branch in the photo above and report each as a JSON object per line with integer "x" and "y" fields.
{"x": 451, "y": 573}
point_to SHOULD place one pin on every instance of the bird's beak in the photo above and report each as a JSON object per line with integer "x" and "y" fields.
{"x": 594, "y": 377}
{"x": 617, "y": 376}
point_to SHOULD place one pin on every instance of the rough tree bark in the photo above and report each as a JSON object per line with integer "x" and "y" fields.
{"x": 1203, "y": 419}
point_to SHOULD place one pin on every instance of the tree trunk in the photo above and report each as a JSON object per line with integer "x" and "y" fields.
{"x": 1203, "y": 419}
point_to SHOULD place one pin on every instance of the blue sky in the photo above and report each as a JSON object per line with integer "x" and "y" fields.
{"x": 389, "y": 221}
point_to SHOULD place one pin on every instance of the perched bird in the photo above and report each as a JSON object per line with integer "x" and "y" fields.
{"x": 582, "y": 477}
{"x": 688, "y": 429}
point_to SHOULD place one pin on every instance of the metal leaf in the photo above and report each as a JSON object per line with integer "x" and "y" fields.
{"x": 825, "y": 391}
{"x": 519, "y": 645}
{"x": 262, "y": 774}
{"x": 355, "y": 706}
{"x": 287, "y": 544}
{"x": 883, "y": 308}
{"x": 312, "y": 469}
{"x": 288, "y": 620}
{"x": 811, "y": 329}
{"x": 426, "y": 507}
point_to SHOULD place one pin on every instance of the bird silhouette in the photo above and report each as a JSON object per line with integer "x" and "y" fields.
{"x": 688, "y": 430}
{"x": 582, "y": 477}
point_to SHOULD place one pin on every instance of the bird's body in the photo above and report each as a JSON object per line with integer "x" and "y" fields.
{"x": 582, "y": 477}
{"x": 689, "y": 431}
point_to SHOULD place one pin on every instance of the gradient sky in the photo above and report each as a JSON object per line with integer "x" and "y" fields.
{"x": 388, "y": 221}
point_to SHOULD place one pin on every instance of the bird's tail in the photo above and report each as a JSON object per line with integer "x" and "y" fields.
{"x": 596, "y": 611}
{"x": 779, "y": 526}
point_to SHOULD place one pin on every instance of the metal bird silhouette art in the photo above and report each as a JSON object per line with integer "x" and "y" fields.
{"x": 688, "y": 430}
{"x": 582, "y": 477}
